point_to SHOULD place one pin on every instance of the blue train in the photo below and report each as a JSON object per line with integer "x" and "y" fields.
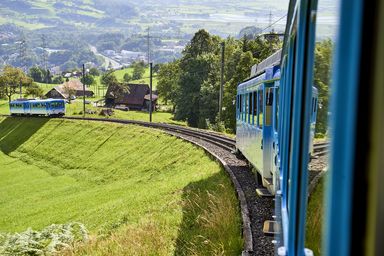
{"x": 257, "y": 117}
{"x": 48, "y": 107}
{"x": 275, "y": 134}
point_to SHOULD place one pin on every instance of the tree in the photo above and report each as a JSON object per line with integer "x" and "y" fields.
{"x": 167, "y": 85}
{"x": 116, "y": 89}
{"x": 34, "y": 90}
{"x": 138, "y": 70}
{"x": 195, "y": 66}
{"x": 58, "y": 80}
{"x": 322, "y": 79}
{"x": 108, "y": 79}
{"x": 70, "y": 91}
{"x": 11, "y": 81}
{"x": 36, "y": 73}
{"x": 48, "y": 77}
{"x": 156, "y": 68}
{"x": 127, "y": 77}
{"x": 88, "y": 80}
{"x": 94, "y": 72}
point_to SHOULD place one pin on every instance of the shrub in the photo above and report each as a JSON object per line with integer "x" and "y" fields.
{"x": 48, "y": 241}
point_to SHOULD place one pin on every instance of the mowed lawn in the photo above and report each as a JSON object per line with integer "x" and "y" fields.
{"x": 136, "y": 189}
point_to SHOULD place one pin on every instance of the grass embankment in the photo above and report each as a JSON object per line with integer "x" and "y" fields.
{"x": 315, "y": 216}
{"x": 137, "y": 190}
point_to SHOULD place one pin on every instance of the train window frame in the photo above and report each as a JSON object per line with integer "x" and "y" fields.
{"x": 242, "y": 107}
{"x": 276, "y": 104}
{"x": 250, "y": 106}
{"x": 254, "y": 108}
{"x": 260, "y": 112}
{"x": 269, "y": 99}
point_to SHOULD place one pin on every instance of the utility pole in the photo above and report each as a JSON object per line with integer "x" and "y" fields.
{"x": 221, "y": 79}
{"x": 21, "y": 90}
{"x": 23, "y": 56}
{"x": 150, "y": 92}
{"x": 149, "y": 49}
{"x": 83, "y": 90}
{"x": 23, "y": 53}
{"x": 45, "y": 57}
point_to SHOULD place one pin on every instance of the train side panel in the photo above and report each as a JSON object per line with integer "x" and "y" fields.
{"x": 16, "y": 108}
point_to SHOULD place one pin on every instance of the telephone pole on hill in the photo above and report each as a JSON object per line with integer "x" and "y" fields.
{"x": 149, "y": 49}
{"x": 23, "y": 53}
{"x": 221, "y": 79}
{"x": 45, "y": 57}
{"x": 83, "y": 90}
{"x": 23, "y": 64}
{"x": 150, "y": 92}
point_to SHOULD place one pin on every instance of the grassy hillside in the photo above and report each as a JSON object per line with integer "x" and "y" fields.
{"x": 315, "y": 216}
{"x": 135, "y": 189}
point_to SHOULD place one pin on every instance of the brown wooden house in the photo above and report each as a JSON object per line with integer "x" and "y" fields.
{"x": 58, "y": 92}
{"x": 137, "y": 97}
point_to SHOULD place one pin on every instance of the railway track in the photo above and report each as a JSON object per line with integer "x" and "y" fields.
{"x": 320, "y": 149}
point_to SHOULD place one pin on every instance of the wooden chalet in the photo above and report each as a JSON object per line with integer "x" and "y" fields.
{"x": 58, "y": 92}
{"x": 136, "y": 98}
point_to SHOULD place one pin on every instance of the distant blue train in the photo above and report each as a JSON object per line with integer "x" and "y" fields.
{"x": 48, "y": 107}
{"x": 257, "y": 118}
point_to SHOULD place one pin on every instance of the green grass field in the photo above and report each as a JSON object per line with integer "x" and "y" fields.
{"x": 315, "y": 216}
{"x": 137, "y": 190}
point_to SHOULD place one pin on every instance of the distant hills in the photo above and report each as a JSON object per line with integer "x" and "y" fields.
{"x": 173, "y": 17}
{"x": 70, "y": 27}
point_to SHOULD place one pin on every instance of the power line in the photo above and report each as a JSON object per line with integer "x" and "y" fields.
{"x": 279, "y": 19}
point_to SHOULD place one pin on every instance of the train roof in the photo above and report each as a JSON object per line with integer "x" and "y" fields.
{"x": 272, "y": 60}
{"x": 32, "y": 100}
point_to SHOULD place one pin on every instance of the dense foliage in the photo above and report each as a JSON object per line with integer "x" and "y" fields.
{"x": 192, "y": 83}
{"x": 12, "y": 80}
{"x": 45, "y": 242}
{"x": 322, "y": 79}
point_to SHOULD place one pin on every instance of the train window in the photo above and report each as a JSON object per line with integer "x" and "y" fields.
{"x": 260, "y": 116}
{"x": 277, "y": 110}
{"x": 242, "y": 106}
{"x": 269, "y": 98}
{"x": 250, "y": 107}
{"x": 268, "y": 107}
{"x": 254, "y": 117}
{"x": 246, "y": 119}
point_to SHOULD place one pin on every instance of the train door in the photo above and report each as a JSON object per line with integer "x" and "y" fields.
{"x": 275, "y": 142}
{"x": 268, "y": 136}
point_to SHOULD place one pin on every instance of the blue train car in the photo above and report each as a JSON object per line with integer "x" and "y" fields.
{"x": 48, "y": 107}
{"x": 257, "y": 117}
{"x": 354, "y": 220}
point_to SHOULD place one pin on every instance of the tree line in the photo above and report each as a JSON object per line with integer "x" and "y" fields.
{"x": 191, "y": 84}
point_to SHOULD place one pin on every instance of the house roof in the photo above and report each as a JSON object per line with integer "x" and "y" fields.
{"x": 74, "y": 84}
{"x": 135, "y": 96}
{"x": 154, "y": 97}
